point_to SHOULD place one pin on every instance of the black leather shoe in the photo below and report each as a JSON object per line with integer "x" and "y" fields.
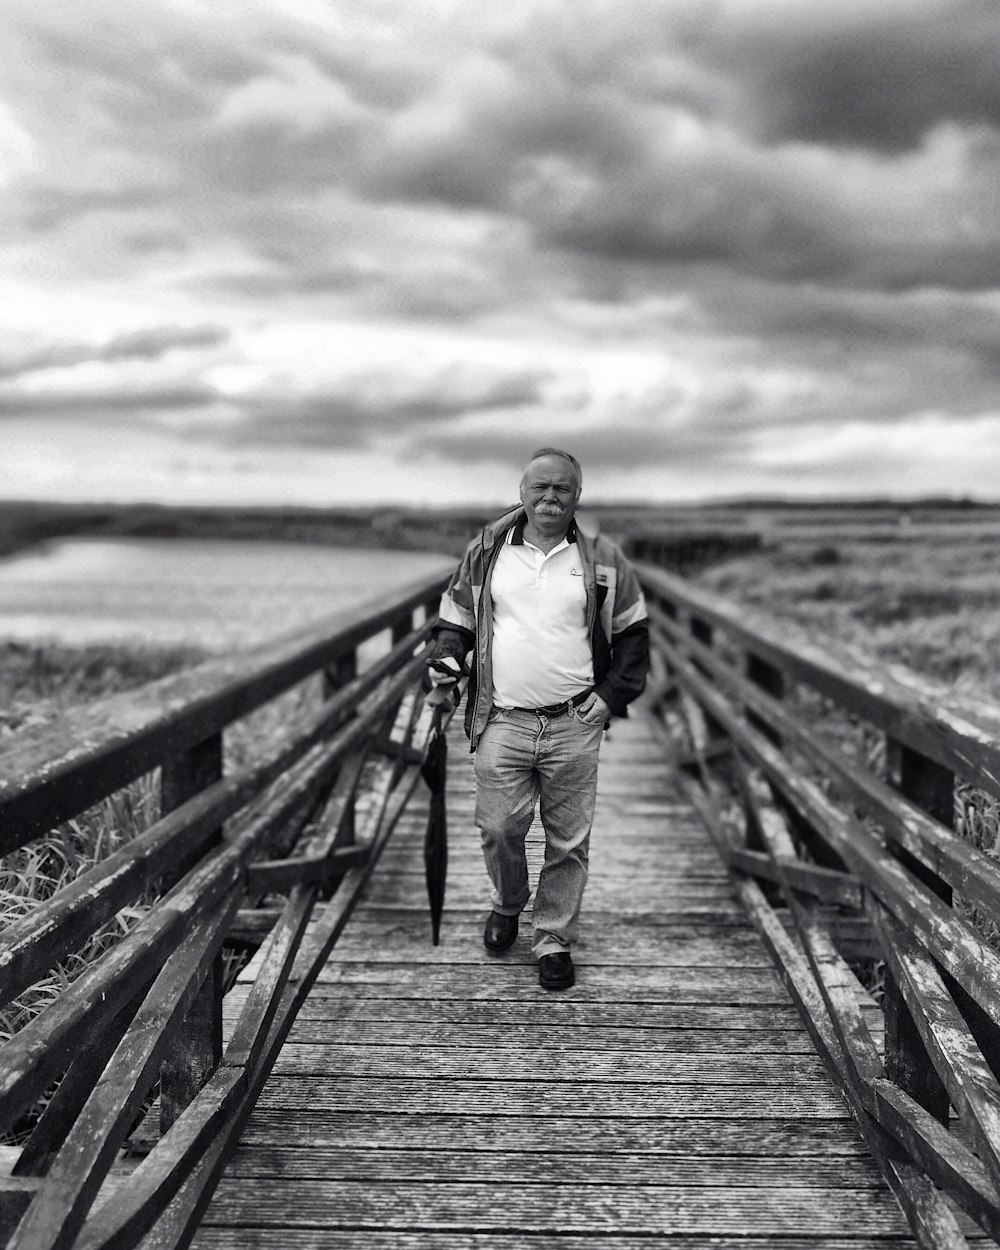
{"x": 555, "y": 971}
{"x": 499, "y": 933}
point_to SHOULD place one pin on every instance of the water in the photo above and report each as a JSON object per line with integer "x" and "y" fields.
{"x": 202, "y": 592}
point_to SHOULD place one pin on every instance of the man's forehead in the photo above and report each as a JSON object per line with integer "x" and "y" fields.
{"x": 550, "y": 467}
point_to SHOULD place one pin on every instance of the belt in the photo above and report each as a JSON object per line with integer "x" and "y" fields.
{"x": 556, "y": 709}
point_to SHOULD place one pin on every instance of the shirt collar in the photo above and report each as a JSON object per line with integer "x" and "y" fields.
{"x": 515, "y": 535}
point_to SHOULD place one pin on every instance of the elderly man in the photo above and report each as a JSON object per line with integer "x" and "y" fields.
{"x": 557, "y": 625}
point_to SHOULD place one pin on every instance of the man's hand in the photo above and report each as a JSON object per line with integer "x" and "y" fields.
{"x": 444, "y": 671}
{"x": 593, "y": 710}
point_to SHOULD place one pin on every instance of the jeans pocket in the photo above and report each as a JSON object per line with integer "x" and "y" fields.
{"x": 586, "y": 725}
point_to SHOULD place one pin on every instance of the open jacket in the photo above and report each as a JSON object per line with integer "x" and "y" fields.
{"x": 615, "y": 613}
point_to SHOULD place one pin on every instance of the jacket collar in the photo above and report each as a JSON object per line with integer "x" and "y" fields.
{"x": 516, "y": 529}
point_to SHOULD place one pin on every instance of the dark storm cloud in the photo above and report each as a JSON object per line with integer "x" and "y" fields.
{"x": 48, "y": 207}
{"x": 805, "y": 316}
{"x": 629, "y": 445}
{"x": 872, "y": 77}
{"x": 110, "y": 402}
{"x": 363, "y": 408}
{"x": 147, "y": 344}
{"x": 597, "y": 164}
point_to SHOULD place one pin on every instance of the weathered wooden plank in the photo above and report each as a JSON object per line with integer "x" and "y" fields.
{"x": 517, "y": 1167}
{"x": 824, "y": 883}
{"x": 606, "y": 865}
{"x": 261, "y": 1003}
{"x": 520, "y": 980}
{"x": 544, "y": 1098}
{"x": 730, "y": 1134}
{"x": 722, "y": 1018}
{"x": 220, "y": 1238}
{"x": 651, "y": 1209}
{"x": 613, "y": 946}
{"x": 333, "y": 1060}
{"x": 284, "y": 874}
{"x": 589, "y": 1039}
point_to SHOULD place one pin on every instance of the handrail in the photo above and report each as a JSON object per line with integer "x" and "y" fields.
{"x": 950, "y": 729}
{"x": 146, "y": 1017}
{"x": 809, "y": 832}
{"x": 52, "y": 772}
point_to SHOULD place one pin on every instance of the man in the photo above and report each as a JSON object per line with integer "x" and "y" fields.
{"x": 557, "y": 625}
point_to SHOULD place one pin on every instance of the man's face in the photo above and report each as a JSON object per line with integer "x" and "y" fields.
{"x": 549, "y": 492}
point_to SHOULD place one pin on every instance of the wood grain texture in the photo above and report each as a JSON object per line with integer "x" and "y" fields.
{"x": 431, "y": 1239}
{"x": 438, "y": 1097}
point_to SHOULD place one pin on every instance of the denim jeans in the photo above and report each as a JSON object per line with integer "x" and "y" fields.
{"x": 523, "y": 758}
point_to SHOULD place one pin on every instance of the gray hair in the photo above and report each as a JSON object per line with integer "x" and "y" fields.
{"x": 558, "y": 451}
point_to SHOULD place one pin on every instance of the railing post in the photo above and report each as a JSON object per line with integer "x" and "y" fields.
{"x": 430, "y": 607}
{"x": 335, "y": 678}
{"x": 702, "y": 632}
{"x": 401, "y": 627}
{"x": 195, "y": 1046}
{"x": 772, "y": 681}
{"x": 932, "y": 787}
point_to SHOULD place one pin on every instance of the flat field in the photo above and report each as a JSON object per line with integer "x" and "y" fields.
{"x": 925, "y": 595}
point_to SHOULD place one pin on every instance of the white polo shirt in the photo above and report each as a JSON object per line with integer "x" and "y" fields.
{"x": 541, "y": 652}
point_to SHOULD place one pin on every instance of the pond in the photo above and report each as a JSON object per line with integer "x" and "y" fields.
{"x": 208, "y": 593}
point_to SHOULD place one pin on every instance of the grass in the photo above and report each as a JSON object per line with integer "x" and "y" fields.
{"x": 931, "y": 606}
{"x": 37, "y": 684}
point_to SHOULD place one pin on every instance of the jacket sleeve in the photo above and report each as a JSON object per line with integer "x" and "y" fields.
{"x": 455, "y": 632}
{"x": 626, "y": 676}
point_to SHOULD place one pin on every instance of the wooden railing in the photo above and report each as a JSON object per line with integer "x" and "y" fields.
{"x": 130, "y": 1055}
{"x": 830, "y": 785}
{"x": 683, "y": 550}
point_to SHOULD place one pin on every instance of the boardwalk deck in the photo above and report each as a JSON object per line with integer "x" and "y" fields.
{"x": 437, "y": 1097}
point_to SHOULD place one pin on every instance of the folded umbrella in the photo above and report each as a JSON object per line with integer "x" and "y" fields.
{"x": 435, "y": 770}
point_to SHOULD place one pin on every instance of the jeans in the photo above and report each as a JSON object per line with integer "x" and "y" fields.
{"x": 523, "y": 758}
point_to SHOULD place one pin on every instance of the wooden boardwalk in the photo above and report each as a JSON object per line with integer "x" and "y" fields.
{"x": 437, "y": 1097}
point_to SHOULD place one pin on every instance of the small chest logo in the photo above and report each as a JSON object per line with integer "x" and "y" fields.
{"x": 576, "y": 572}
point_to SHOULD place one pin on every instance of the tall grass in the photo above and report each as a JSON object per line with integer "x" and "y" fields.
{"x": 931, "y": 606}
{"x": 37, "y": 685}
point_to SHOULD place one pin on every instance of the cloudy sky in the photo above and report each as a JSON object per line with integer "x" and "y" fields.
{"x": 368, "y": 250}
